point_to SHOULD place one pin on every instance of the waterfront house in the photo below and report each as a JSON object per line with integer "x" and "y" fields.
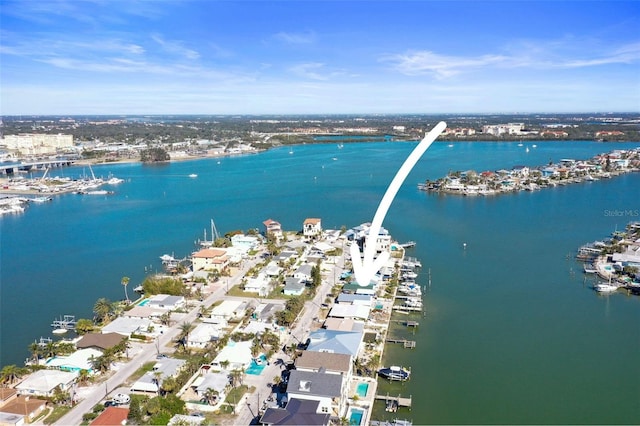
{"x": 44, "y": 382}
{"x": 81, "y": 359}
{"x": 210, "y": 259}
{"x": 355, "y": 299}
{"x": 166, "y": 302}
{"x": 335, "y": 341}
{"x": 272, "y": 227}
{"x": 111, "y": 416}
{"x": 296, "y": 412}
{"x": 342, "y": 324}
{"x": 332, "y": 363}
{"x": 145, "y": 312}
{"x": 99, "y": 341}
{"x": 345, "y": 310}
{"x": 328, "y": 389}
{"x": 128, "y": 326}
{"x": 312, "y": 227}
{"x": 245, "y": 242}
{"x": 23, "y": 406}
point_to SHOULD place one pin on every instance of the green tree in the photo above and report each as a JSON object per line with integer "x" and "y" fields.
{"x": 84, "y": 326}
{"x": 11, "y": 374}
{"x": 211, "y": 395}
{"x": 103, "y": 310}
{"x": 135, "y": 412}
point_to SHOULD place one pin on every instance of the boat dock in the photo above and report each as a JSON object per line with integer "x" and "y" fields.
{"x": 406, "y": 308}
{"x": 399, "y": 400}
{"x": 68, "y": 322}
{"x": 410, "y": 344}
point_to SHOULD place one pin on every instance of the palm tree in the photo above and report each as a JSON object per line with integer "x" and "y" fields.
{"x": 185, "y": 329}
{"x": 83, "y": 377}
{"x": 236, "y": 377}
{"x": 36, "y": 351}
{"x": 211, "y": 395}
{"x": 102, "y": 309}
{"x": 11, "y": 373}
{"x": 125, "y": 282}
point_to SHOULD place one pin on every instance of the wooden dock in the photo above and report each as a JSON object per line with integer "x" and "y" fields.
{"x": 399, "y": 400}
{"x": 406, "y": 308}
{"x": 410, "y": 344}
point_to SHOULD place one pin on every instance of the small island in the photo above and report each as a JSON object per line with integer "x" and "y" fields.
{"x": 523, "y": 178}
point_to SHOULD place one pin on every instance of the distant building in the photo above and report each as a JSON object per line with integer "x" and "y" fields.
{"x": 272, "y": 227}
{"x": 38, "y": 144}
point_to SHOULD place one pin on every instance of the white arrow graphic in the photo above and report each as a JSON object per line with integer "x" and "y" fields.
{"x": 365, "y": 270}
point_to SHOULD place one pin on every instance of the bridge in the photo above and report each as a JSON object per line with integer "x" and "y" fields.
{"x": 11, "y": 168}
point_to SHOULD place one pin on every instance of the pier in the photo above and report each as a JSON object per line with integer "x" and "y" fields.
{"x": 410, "y": 344}
{"x": 399, "y": 400}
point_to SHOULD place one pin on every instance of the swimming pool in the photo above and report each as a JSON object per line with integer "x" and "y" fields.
{"x": 356, "y": 416}
{"x": 256, "y": 368}
{"x": 361, "y": 389}
{"x": 144, "y": 302}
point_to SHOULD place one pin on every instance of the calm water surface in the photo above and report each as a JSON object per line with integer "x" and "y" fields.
{"x": 512, "y": 334}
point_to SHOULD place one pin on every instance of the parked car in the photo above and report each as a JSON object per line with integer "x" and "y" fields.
{"x": 121, "y": 398}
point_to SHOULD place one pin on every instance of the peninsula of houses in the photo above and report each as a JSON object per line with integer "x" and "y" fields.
{"x": 257, "y": 328}
{"x": 523, "y": 178}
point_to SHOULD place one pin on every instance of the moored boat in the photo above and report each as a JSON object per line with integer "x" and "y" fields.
{"x": 605, "y": 287}
{"x": 394, "y": 373}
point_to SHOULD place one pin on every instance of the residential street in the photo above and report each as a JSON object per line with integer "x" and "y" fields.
{"x": 249, "y": 408}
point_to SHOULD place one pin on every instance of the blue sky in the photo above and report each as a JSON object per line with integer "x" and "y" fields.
{"x": 301, "y": 57}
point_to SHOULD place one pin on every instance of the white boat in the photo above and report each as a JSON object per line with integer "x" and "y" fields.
{"x": 41, "y": 199}
{"x": 114, "y": 181}
{"x": 605, "y": 287}
{"x": 589, "y": 268}
{"x": 193, "y": 175}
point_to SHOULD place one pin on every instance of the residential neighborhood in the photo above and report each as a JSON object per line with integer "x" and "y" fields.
{"x": 265, "y": 328}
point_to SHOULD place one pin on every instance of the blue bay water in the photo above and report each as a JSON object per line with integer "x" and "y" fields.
{"x": 512, "y": 332}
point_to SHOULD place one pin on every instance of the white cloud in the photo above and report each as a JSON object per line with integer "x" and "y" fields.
{"x": 295, "y": 38}
{"x": 175, "y": 47}
{"x": 440, "y": 66}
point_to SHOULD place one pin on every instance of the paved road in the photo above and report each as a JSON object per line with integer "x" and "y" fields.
{"x": 74, "y": 417}
{"x": 247, "y": 409}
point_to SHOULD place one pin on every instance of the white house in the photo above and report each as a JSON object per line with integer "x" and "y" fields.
{"x": 203, "y": 334}
{"x": 166, "y": 302}
{"x": 229, "y": 310}
{"x": 78, "y": 360}
{"x": 312, "y": 227}
{"x": 293, "y": 286}
{"x": 328, "y": 389}
{"x": 260, "y": 284}
{"x": 128, "y": 326}
{"x": 344, "y": 310}
{"x": 303, "y": 272}
{"x": 236, "y": 354}
{"x": 43, "y": 382}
